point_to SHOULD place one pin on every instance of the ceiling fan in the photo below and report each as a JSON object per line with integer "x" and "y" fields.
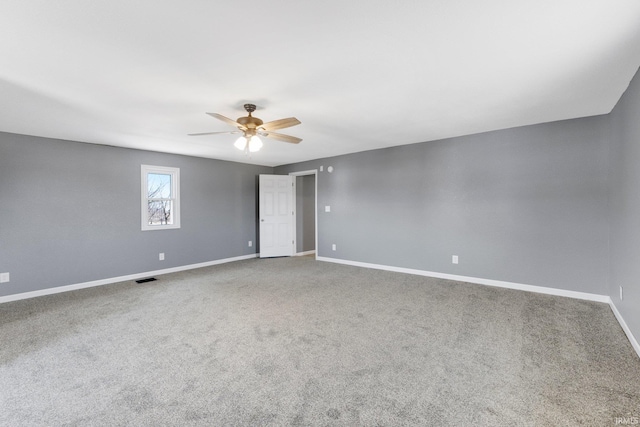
{"x": 251, "y": 127}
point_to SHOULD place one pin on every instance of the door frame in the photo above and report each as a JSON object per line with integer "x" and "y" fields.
{"x": 315, "y": 209}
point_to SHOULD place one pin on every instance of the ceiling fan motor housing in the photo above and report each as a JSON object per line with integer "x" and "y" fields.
{"x": 250, "y": 122}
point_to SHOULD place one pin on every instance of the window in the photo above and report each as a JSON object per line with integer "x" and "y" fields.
{"x": 160, "y": 197}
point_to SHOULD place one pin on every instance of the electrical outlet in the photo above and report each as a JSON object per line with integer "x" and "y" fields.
{"x": 620, "y": 292}
{"x": 161, "y": 256}
{"x": 4, "y": 277}
{"x": 454, "y": 259}
{"x": 333, "y": 247}
{"x": 327, "y": 208}
{"x": 250, "y": 243}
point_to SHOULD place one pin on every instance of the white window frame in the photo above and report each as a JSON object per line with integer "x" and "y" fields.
{"x": 145, "y": 170}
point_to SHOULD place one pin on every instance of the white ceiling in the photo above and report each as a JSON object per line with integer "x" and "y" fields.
{"x": 358, "y": 74}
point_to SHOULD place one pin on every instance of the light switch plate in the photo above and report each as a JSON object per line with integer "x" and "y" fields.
{"x": 327, "y": 208}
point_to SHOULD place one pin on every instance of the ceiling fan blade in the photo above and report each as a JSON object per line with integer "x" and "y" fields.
{"x": 281, "y": 137}
{"x": 281, "y": 124}
{"x": 226, "y": 120}
{"x": 212, "y": 133}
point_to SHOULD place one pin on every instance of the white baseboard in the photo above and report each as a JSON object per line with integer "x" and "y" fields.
{"x": 305, "y": 253}
{"x": 510, "y": 285}
{"x": 625, "y": 327}
{"x": 67, "y": 288}
{"x": 488, "y": 282}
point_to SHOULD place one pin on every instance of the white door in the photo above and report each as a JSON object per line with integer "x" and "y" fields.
{"x": 276, "y": 215}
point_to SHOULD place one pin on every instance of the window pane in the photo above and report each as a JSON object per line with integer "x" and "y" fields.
{"x": 158, "y": 186}
{"x": 160, "y": 207}
{"x": 160, "y": 212}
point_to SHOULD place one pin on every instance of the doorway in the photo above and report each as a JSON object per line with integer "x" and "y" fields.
{"x": 305, "y": 227}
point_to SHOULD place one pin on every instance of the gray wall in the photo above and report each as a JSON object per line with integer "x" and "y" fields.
{"x": 525, "y": 205}
{"x": 624, "y": 194}
{"x": 305, "y": 213}
{"x": 554, "y": 204}
{"x": 70, "y": 212}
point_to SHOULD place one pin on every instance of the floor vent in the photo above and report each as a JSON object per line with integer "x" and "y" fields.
{"x": 150, "y": 279}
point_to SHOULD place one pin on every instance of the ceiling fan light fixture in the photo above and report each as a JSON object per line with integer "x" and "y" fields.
{"x": 251, "y": 144}
{"x": 255, "y": 144}
{"x": 241, "y": 143}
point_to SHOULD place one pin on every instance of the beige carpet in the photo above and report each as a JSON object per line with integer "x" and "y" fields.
{"x": 293, "y": 341}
